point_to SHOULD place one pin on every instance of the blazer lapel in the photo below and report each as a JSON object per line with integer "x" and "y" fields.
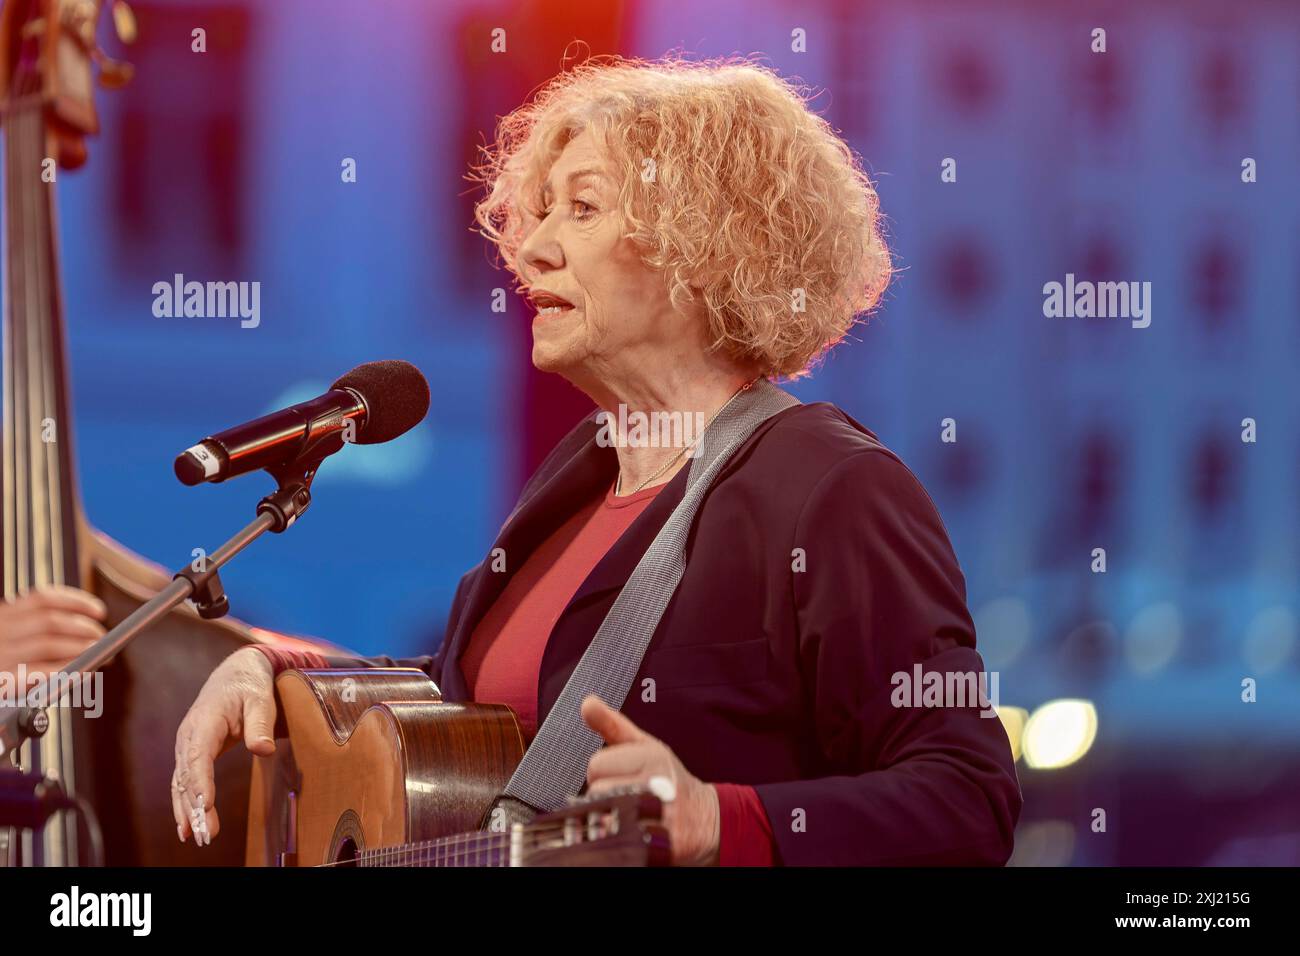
{"x": 567, "y": 644}
{"x": 613, "y": 570}
{"x": 618, "y": 564}
{"x": 576, "y": 469}
{"x": 573, "y": 473}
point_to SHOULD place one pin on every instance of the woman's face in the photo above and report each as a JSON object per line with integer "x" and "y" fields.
{"x": 604, "y": 318}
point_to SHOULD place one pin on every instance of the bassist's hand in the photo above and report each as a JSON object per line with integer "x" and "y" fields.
{"x": 46, "y": 628}
{"x": 238, "y": 701}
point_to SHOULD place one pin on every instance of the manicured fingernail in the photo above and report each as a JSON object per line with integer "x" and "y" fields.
{"x": 180, "y": 834}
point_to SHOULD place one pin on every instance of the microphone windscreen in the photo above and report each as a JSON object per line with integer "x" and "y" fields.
{"x": 396, "y": 395}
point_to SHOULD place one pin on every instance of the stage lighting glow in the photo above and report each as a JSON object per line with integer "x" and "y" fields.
{"x": 1003, "y": 626}
{"x": 1270, "y": 639}
{"x": 1044, "y": 843}
{"x": 1059, "y": 733}
{"x": 1153, "y": 637}
{"x": 1014, "y": 720}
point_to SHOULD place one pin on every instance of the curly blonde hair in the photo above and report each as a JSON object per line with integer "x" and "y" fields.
{"x": 754, "y": 197}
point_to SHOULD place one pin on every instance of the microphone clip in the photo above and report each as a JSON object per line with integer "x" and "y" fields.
{"x": 209, "y": 594}
{"x": 288, "y": 502}
{"x": 284, "y": 506}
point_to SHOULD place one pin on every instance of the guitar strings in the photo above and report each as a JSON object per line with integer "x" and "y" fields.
{"x": 454, "y": 849}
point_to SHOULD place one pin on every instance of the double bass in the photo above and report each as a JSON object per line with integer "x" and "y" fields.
{"x": 121, "y": 761}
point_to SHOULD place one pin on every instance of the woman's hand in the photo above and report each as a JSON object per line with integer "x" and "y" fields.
{"x": 48, "y": 627}
{"x": 237, "y": 700}
{"x": 630, "y": 758}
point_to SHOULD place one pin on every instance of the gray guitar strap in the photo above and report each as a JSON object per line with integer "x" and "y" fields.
{"x": 554, "y": 768}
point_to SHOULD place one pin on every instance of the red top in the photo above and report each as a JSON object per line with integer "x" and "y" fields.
{"x": 503, "y": 658}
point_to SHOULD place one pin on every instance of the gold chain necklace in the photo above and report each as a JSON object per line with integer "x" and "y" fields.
{"x": 618, "y": 482}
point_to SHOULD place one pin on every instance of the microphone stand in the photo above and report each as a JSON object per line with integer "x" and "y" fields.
{"x": 28, "y": 799}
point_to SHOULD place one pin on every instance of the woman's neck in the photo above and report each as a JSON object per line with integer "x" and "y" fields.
{"x": 655, "y": 422}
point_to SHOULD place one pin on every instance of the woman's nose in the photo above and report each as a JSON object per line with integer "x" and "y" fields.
{"x": 541, "y": 250}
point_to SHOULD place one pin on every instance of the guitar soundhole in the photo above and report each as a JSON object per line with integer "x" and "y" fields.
{"x": 347, "y": 843}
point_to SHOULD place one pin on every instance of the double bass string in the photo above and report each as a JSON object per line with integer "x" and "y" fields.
{"x": 33, "y": 494}
{"x": 46, "y": 444}
{"x": 7, "y": 428}
{"x": 16, "y": 567}
{"x": 20, "y": 463}
{"x": 7, "y": 488}
{"x": 47, "y": 525}
{"x": 16, "y": 320}
{"x": 36, "y": 335}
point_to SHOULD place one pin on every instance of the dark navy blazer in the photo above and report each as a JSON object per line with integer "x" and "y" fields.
{"x": 817, "y": 569}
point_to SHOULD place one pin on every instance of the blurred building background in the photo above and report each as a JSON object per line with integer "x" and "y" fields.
{"x": 1073, "y": 434}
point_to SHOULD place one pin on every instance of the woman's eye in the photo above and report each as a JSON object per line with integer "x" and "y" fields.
{"x": 581, "y": 210}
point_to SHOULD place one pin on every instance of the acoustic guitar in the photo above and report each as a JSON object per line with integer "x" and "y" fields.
{"x": 377, "y": 770}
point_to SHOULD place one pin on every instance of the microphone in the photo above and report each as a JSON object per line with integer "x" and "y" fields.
{"x": 376, "y": 402}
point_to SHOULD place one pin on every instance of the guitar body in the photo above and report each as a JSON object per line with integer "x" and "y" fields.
{"x": 378, "y": 770}
{"x": 374, "y": 758}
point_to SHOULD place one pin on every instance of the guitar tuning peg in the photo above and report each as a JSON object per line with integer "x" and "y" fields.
{"x": 124, "y": 21}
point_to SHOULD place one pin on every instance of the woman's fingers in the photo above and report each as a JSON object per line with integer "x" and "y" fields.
{"x": 204, "y": 823}
{"x": 620, "y": 760}
{"x": 259, "y": 724}
{"x": 200, "y": 740}
{"x": 179, "y": 811}
{"x": 605, "y": 784}
{"x": 237, "y": 698}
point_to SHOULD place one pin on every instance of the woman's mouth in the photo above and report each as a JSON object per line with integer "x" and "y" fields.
{"x": 547, "y": 303}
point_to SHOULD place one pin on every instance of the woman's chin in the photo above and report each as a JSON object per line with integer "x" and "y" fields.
{"x": 550, "y": 356}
